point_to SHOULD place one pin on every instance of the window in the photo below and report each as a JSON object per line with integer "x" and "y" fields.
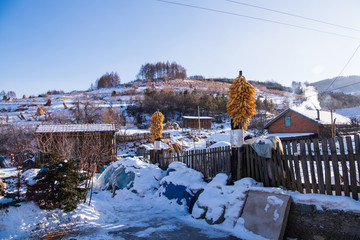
{"x": 287, "y": 121}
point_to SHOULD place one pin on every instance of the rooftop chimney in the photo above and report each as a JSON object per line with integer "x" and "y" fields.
{"x": 318, "y": 114}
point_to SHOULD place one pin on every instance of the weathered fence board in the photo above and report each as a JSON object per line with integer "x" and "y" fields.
{"x": 353, "y": 185}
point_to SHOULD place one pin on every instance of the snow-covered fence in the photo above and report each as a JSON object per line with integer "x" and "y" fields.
{"x": 329, "y": 166}
{"x": 207, "y": 161}
{"x": 326, "y": 166}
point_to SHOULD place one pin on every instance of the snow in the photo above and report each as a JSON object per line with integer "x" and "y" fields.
{"x": 29, "y": 175}
{"x": 220, "y": 144}
{"x": 184, "y": 176}
{"x": 350, "y": 112}
{"x": 141, "y": 212}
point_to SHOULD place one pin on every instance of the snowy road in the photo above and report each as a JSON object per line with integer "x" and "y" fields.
{"x": 129, "y": 217}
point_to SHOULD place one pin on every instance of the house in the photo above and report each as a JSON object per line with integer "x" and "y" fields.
{"x": 315, "y": 123}
{"x": 79, "y": 142}
{"x": 193, "y": 122}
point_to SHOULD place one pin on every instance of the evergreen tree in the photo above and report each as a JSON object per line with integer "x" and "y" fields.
{"x": 58, "y": 185}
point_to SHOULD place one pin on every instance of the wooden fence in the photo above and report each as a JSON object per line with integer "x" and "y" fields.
{"x": 139, "y": 136}
{"x": 327, "y": 166}
{"x": 207, "y": 161}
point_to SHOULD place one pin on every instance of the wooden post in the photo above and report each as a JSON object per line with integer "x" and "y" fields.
{"x": 332, "y": 124}
{"x": 237, "y": 147}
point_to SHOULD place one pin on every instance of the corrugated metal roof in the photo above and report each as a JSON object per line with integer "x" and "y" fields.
{"x": 76, "y": 128}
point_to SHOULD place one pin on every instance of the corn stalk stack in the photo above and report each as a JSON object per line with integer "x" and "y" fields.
{"x": 156, "y": 128}
{"x": 240, "y": 107}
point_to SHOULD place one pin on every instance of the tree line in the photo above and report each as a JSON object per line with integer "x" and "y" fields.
{"x": 161, "y": 71}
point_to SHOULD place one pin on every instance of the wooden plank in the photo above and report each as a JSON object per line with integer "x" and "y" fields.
{"x": 335, "y": 165}
{"x": 357, "y": 155}
{"x": 292, "y": 169}
{"x": 325, "y": 151}
{"x": 266, "y": 172}
{"x": 319, "y": 167}
{"x": 281, "y": 171}
{"x": 304, "y": 166}
{"x": 261, "y": 170}
{"x": 272, "y": 166}
{"x": 256, "y": 166}
{"x": 297, "y": 168}
{"x": 248, "y": 152}
{"x": 344, "y": 167}
{"x": 314, "y": 186}
{"x": 353, "y": 183}
{"x": 252, "y": 167}
{"x": 285, "y": 163}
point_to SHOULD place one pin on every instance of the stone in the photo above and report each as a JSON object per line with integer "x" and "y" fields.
{"x": 266, "y": 213}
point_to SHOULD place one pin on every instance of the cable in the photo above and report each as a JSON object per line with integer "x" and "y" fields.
{"x": 347, "y": 63}
{"x": 293, "y": 15}
{"x": 256, "y": 18}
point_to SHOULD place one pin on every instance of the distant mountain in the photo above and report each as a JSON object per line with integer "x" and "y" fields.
{"x": 348, "y": 85}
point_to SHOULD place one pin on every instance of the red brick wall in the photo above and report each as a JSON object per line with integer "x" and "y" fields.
{"x": 298, "y": 125}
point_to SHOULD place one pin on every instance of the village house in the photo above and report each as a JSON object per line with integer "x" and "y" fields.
{"x": 314, "y": 123}
{"x": 78, "y": 141}
{"x": 193, "y": 122}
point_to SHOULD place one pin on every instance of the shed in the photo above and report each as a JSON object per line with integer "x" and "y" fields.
{"x": 79, "y": 141}
{"x": 314, "y": 122}
{"x": 193, "y": 122}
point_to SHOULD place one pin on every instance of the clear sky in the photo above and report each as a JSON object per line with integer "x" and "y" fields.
{"x": 68, "y": 44}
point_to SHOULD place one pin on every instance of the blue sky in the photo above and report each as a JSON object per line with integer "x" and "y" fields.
{"x": 68, "y": 44}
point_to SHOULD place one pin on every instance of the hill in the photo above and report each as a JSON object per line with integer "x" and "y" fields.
{"x": 347, "y": 85}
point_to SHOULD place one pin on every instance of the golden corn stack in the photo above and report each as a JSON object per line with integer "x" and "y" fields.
{"x": 241, "y": 105}
{"x": 156, "y": 127}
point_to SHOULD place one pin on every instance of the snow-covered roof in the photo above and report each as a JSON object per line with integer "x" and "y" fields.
{"x": 312, "y": 115}
{"x": 220, "y": 144}
{"x": 289, "y": 135}
{"x": 325, "y": 117}
{"x": 196, "y": 117}
{"x": 76, "y": 128}
{"x": 219, "y": 138}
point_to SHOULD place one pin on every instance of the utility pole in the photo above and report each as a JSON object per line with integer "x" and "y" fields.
{"x": 199, "y": 118}
{"x": 332, "y": 124}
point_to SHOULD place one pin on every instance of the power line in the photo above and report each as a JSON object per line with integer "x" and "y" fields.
{"x": 256, "y": 18}
{"x": 347, "y": 63}
{"x": 294, "y": 15}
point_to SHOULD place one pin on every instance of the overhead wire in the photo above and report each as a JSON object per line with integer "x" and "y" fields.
{"x": 294, "y": 15}
{"x": 347, "y": 63}
{"x": 257, "y": 18}
{"x": 282, "y": 23}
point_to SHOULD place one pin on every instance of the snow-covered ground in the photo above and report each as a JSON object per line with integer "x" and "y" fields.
{"x": 142, "y": 211}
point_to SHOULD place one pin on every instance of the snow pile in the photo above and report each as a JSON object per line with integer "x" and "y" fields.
{"x": 132, "y": 174}
{"x": 219, "y": 202}
{"x": 182, "y": 184}
{"x": 29, "y": 175}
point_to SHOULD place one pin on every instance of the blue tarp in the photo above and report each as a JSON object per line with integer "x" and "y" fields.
{"x": 180, "y": 193}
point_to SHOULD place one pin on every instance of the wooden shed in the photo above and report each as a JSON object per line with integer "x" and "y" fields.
{"x": 193, "y": 122}
{"x": 79, "y": 142}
